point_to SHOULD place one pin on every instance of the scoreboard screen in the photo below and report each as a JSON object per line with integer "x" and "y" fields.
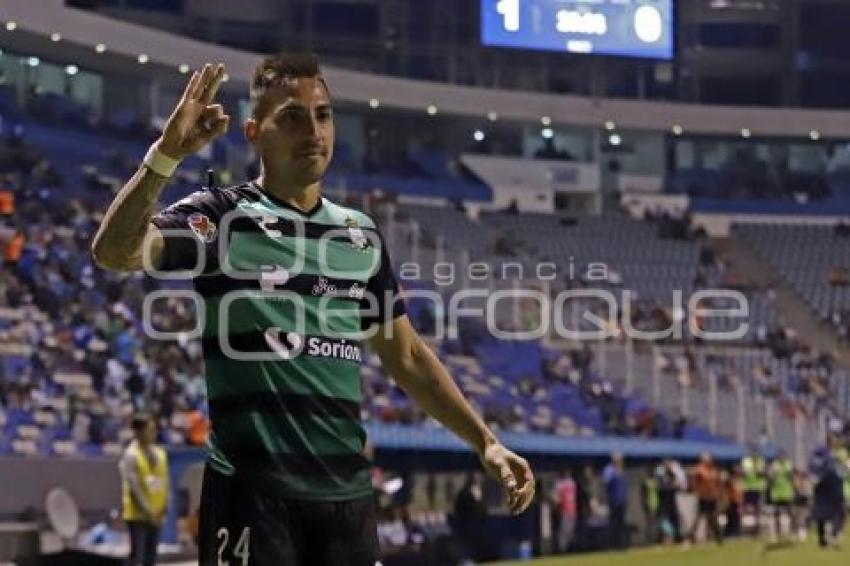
{"x": 630, "y": 28}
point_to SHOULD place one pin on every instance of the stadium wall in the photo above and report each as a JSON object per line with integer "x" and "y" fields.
{"x": 717, "y": 217}
{"x": 92, "y": 481}
{"x": 534, "y": 183}
{"x": 720, "y": 225}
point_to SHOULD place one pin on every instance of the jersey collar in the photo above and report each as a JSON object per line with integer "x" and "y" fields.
{"x": 308, "y": 213}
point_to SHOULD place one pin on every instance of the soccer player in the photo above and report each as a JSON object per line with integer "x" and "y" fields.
{"x": 285, "y": 273}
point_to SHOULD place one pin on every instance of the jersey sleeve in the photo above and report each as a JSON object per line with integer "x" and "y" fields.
{"x": 384, "y": 302}
{"x": 191, "y": 227}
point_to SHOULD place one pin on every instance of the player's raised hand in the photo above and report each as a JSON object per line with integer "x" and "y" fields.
{"x": 513, "y": 472}
{"x": 196, "y": 121}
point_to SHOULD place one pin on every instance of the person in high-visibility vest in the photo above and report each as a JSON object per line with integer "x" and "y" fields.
{"x": 754, "y": 484}
{"x": 651, "y": 504}
{"x": 841, "y": 455}
{"x": 781, "y": 479}
{"x": 144, "y": 486}
{"x": 842, "y": 460}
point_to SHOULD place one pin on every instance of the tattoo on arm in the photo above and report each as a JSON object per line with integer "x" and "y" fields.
{"x": 119, "y": 242}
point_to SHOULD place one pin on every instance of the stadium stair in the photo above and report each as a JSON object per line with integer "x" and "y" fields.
{"x": 749, "y": 265}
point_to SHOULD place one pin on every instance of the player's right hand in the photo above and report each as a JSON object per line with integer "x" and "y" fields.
{"x": 196, "y": 121}
{"x": 513, "y": 472}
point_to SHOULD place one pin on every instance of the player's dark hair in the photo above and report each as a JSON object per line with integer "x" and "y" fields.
{"x": 278, "y": 69}
{"x": 140, "y": 421}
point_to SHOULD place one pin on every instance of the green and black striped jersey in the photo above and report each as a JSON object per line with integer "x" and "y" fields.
{"x": 285, "y": 296}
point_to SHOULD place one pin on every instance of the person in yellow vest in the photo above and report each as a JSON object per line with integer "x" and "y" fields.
{"x": 841, "y": 454}
{"x": 781, "y": 491}
{"x": 754, "y": 483}
{"x": 144, "y": 481}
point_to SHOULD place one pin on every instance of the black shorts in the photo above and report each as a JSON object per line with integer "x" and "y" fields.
{"x": 782, "y": 506}
{"x": 753, "y": 498}
{"x": 707, "y": 506}
{"x": 241, "y": 527}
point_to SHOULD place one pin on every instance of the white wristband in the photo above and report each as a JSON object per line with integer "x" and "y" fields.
{"x": 160, "y": 163}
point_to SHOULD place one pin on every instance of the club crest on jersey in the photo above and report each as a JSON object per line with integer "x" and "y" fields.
{"x": 356, "y": 291}
{"x": 359, "y": 240}
{"x": 202, "y": 226}
{"x": 323, "y": 288}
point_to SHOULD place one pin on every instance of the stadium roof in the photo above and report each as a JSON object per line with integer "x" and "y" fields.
{"x": 125, "y": 42}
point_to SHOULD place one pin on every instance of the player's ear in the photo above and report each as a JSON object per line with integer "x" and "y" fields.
{"x": 251, "y": 129}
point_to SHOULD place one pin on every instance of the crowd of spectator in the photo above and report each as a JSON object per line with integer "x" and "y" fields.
{"x": 63, "y": 316}
{"x": 91, "y": 324}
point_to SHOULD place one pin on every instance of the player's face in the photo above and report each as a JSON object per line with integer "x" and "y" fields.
{"x": 294, "y": 131}
{"x": 148, "y": 433}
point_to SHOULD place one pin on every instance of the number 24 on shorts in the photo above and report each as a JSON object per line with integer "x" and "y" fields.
{"x": 240, "y": 551}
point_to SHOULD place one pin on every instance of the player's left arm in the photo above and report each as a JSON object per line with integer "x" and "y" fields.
{"x": 413, "y": 365}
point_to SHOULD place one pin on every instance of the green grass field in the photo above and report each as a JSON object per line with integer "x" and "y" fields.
{"x": 733, "y": 554}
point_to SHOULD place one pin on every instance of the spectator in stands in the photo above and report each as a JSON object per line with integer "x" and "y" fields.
{"x": 582, "y": 358}
{"x": 761, "y": 334}
{"x": 505, "y": 244}
{"x": 547, "y": 150}
{"x": 645, "y": 423}
{"x": 135, "y": 382}
{"x": 11, "y": 245}
{"x": 707, "y": 486}
{"x": 680, "y": 423}
{"x": 97, "y": 422}
{"x": 764, "y": 382}
{"x": 612, "y": 408}
{"x": 557, "y": 369}
{"x": 197, "y": 427}
{"x": 144, "y": 477}
{"x": 706, "y": 256}
{"x": 550, "y": 151}
{"x": 616, "y": 490}
{"x": 124, "y": 343}
{"x": 838, "y": 277}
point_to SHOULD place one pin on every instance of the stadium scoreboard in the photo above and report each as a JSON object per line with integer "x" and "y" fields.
{"x": 630, "y": 28}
